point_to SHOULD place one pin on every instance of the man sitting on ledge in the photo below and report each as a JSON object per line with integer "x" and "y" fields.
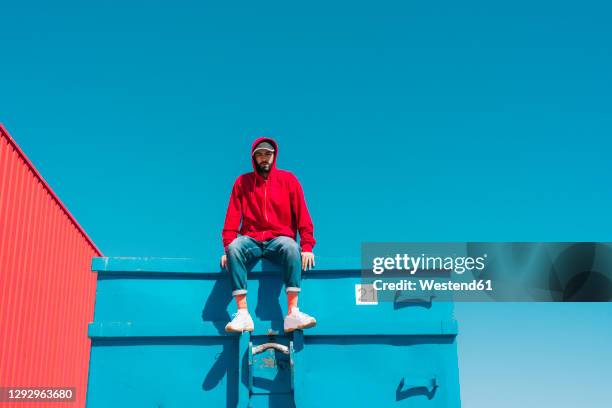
{"x": 270, "y": 204}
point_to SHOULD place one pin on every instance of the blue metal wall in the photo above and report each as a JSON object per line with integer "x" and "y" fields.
{"x": 158, "y": 340}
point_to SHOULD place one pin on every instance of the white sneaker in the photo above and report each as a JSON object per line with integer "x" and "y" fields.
{"x": 241, "y": 322}
{"x": 298, "y": 320}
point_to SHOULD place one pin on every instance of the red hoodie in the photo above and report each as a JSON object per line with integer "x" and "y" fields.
{"x": 268, "y": 208}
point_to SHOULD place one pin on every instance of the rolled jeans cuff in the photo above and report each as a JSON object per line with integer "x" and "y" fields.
{"x": 238, "y": 292}
{"x": 292, "y": 289}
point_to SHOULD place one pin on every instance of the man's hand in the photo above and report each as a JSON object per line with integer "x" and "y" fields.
{"x": 307, "y": 260}
{"x": 223, "y": 261}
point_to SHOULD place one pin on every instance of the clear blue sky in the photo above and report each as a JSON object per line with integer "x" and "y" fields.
{"x": 404, "y": 121}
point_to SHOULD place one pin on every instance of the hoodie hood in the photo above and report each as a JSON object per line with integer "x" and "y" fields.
{"x": 273, "y": 143}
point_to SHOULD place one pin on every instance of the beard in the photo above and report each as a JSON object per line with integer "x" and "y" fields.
{"x": 263, "y": 167}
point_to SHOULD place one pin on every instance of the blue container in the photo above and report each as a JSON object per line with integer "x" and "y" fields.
{"x": 158, "y": 340}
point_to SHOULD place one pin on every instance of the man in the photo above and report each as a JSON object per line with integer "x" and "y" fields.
{"x": 267, "y": 208}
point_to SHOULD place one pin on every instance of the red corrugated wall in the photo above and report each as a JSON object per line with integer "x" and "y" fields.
{"x": 47, "y": 289}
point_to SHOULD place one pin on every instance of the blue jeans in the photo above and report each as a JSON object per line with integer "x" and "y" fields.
{"x": 244, "y": 251}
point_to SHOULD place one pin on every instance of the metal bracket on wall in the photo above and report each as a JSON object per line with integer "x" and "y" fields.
{"x": 246, "y": 364}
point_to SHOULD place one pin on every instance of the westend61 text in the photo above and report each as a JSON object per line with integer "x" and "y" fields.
{"x": 430, "y": 284}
